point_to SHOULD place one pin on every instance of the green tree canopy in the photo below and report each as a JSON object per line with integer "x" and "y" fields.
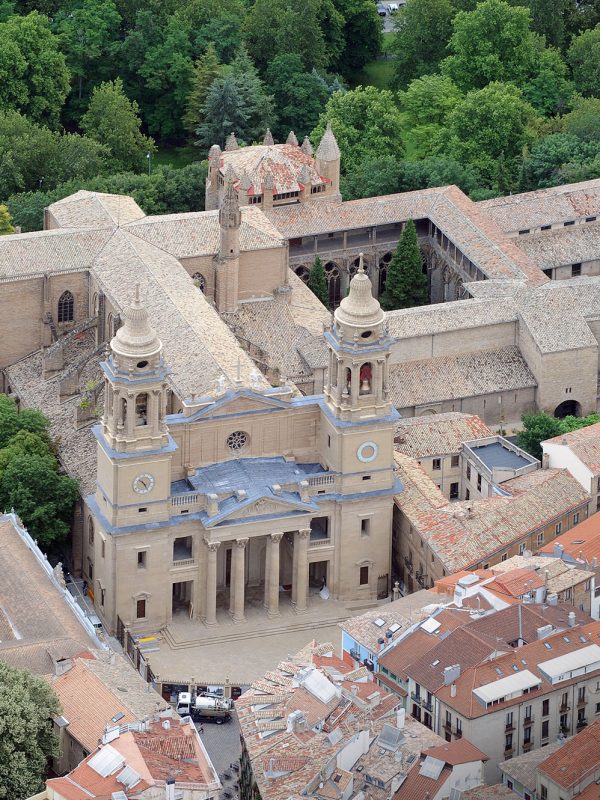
{"x": 544, "y": 165}
{"x": 12, "y": 422}
{"x": 34, "y": 77}
{"x": 214, "y": 22}
{"x": 86, "y": 29}
{"x": 549, "y": 89}
{"x": 488, "y": 129}
{"x": 584, "y": 58}
{"x": 112, "y": 119}
{"x": 361, "y": 36}
{"x": 366, "y": 122}
{"x": 539, "y": 426}
{"x": 6, "y": 225}
{"x": 423, "y": 29}
{"x": 206, "y": 70}
{"x": 299, "y": 96}
{"x": 427, "y": 103}
{"x": 317, "y": 282}
{"x": 406, "y": 283}
{"x": 584, "y": 120}
{"x": 492, "y": 43}
{"x": 548, "y": 18}
{"x": 376, "y": 175}
{"x": 27, "y": 705}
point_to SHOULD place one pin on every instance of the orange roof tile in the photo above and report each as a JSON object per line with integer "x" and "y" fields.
{"x": 460, "y": 751}
{"x": 577, "y": 759}
{"x": 581, "y": 542}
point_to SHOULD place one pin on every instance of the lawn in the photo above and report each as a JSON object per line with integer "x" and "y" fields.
{"x": 177, "y": 156}
{"x": 378, "y": 73}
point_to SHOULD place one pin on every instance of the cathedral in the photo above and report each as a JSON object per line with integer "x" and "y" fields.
{"x": 232, "y": 437}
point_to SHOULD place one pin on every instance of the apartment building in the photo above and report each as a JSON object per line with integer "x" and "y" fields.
{"x": 579, "y": 452}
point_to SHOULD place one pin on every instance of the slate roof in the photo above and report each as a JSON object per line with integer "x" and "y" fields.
{"x": 462, "y": 534}
{"x": 441, "y": 434}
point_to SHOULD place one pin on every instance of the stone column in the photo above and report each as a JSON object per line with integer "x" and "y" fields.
{"x": 300, "y": 585}
{"x": 210, "y": 607}
{"x": 273, "y": 571}
{"x": 238, "y": 579}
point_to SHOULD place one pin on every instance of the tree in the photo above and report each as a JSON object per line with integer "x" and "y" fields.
{"x": 406, "y": 284}
{"x": 366, "y": 123}
{"x": 548, "y": 18}
{"x": 299, "y": 96}
{"x": 543, "y": 166}
{"x": 539, "y": 426}
{"x": 427, "y": 103}
{"x": 6, "y": 225}
{"x": 317, "y": 282}
{"x": 86, "y": 30}
{"x": 377, "y": 175}
{"x": 28, "y": 741}
{"x": 216, "y": 23}
{"x": 12, "y": 421}
{"x": 112, "y": 119}
{"x": 423, "y": 29}
{"x": 34, "y": 77}
{"x": 206, "y": 70}
{"x": 492, "y": 43}
{"x": 361, "y": 36}
{"x": 437, "y": 171}
{"x": 584, "y": 58}
{"x": 549, "y": 89}
{"x": 488, "y": 129}
{"x": 584, "y": 120}
{"x": 290, "y": 29}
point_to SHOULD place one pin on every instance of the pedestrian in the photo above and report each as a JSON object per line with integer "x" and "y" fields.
{"x": 200, "y": 728}
{"x": 84, "y": 588}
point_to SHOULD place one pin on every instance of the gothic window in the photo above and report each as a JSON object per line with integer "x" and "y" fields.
{"x": 303, "y": 273}
{"x": 66, "y": 307}
{"x": 332, "y": 274}
{"x": 365, "y": 378}
{"x": 199, "y": 281}
{"x": 237, "y": 440}
{"x": 141, "y": 409}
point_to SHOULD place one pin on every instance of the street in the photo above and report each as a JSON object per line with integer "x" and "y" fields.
{"x": 222, "y": 743}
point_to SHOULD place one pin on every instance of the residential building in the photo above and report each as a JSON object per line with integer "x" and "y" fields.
{"x": 436, "y": 442}
{"x": 580, "y": 547}
{"x": 579, "y": 452}
{"x": 519, "y": 773}
{"x": 433, "y": 538}
{"x": 489, "y": 462}
{"x": 161, "y": 758}
{"x": 317, "y": 727}
{"x": 519, "y": 700}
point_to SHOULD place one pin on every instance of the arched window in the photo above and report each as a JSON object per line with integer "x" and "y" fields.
{"x": 365, "y": 378}
{"x": 141, "y": 409}
{"x": 199, "y": 281}
{"x": 66, "y": 307}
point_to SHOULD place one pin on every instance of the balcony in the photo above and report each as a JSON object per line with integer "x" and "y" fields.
{"x": 527, "y": 746}
{"x": 529, "y": 720}
{"x": 564, "y": 708}
{"x": 509, "y": 752}
{"x": 510, "y": 726}
{"x": 447, "y": 726}
{"x": 581, "y": 701}
{"x": 183, "y": 562}
{"x": 581, "y": 723}
{"x": 427, "y": 705}
{"x": 416, "y": 697}
{"x": 319, "y": 543}
{"x": 458, "y": 733}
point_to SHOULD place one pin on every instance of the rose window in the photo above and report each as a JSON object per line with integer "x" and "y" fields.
{"x": 237, "y": 440}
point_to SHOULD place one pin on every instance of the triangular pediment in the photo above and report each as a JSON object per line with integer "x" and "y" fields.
{"x": 246, "y": 402}
{"x": 265, "y": 506}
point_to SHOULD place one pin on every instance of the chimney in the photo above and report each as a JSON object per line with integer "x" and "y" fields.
{"x": 451, "y": 674}
{"x": 166, "y": 726}
{"x": 453, "y": 690}
{"x": 401, "y": 718}
{"x": 572, "y": 619}
{"x": 558, "y": 550}
{"x": 62, "y": 665}
{"x": 170, "y": 789}
{"x": 594, "y": 563}
{"x": 381, "y": 643}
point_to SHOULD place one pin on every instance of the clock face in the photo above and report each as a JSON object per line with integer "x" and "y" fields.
{"x": 143, "y": 483}
{"x": 367, "y": 452}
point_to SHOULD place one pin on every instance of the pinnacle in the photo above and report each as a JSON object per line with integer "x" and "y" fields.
{"x": 231, "y": 143}
{"x": 307, "y": 146}
{"x": 328, "y": 149}
{"x": 291, "y": 139}
{"x": 268, "y": 140}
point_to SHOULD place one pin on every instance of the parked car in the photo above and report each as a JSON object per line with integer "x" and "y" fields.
{"x": 381, "y": 10}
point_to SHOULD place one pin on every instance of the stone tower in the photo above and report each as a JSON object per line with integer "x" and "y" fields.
{"x": 359, "y": 350}
{"x": 133, "y": 441}
{"x": 228, "y": 258}
{"x": 328, "y": 159}
{"x": 212, "y": 179}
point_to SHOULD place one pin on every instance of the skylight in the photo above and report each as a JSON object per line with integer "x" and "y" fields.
{"x": 547, "y": 645}
{"x": 379, "y": 622}
{"x": 395, "y": 627}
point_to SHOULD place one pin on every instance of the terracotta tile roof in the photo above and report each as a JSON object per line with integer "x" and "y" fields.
{"x": 523, "y": 768}
{"x": 440, "y": 434}
{"x": 86, "y": 209}
{"x": 532, "y": 654}
{"x": 517, "y": 582}
{"x": 460, "y": 751}
{"x": 584, "y": 443}
{"x": 87, "y": 704}
{"x": 577, "y": 759}
{"x": 417, "y": 786}
{"x": 284, "y": 162}
{"x": 462, "y": 534}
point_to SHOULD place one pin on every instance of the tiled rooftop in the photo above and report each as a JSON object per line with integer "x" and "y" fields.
{"x": 576, "y": 759}
{"x": 582, "y": 542}
{"x": 442, "y": 434}
{"x": 283, "y": 162}
{"x": 523, "y": 768}
{"x": 584, "y": 443}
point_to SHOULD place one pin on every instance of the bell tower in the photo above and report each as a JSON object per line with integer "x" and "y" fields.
{"x": 359, "y": 350}
{"x": 134, "y": 445}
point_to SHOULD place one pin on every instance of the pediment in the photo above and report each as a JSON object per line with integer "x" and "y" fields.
{"x": 262, "y": 507}
{"x": 242, "y": 403}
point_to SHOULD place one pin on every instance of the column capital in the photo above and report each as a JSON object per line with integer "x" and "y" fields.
{"x": 212, "y": 546}
{"x": 276, "y": 537}
{"x": 304, "y": 533}
{"x": 241, "y": 543}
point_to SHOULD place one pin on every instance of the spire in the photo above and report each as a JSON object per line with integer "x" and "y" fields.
{"x": 328, "y": 149}
{"x": 268, "y": 140}
{"x": 214, "y": 155}
{"x": 229, "y": 212}
{"x": 307, "y": 146}
{"x": 304, "y": 175}
{"x": 231, "y": 143}
{"x": 360, "y": 308}
{"x": 291, "y": 139}
{"x": 245, "y": 182}
{"x": 136, "y": 338}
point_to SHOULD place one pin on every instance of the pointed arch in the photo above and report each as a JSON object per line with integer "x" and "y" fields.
{"x": 199, "y": 281}
{"x": 66, "y": 307}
